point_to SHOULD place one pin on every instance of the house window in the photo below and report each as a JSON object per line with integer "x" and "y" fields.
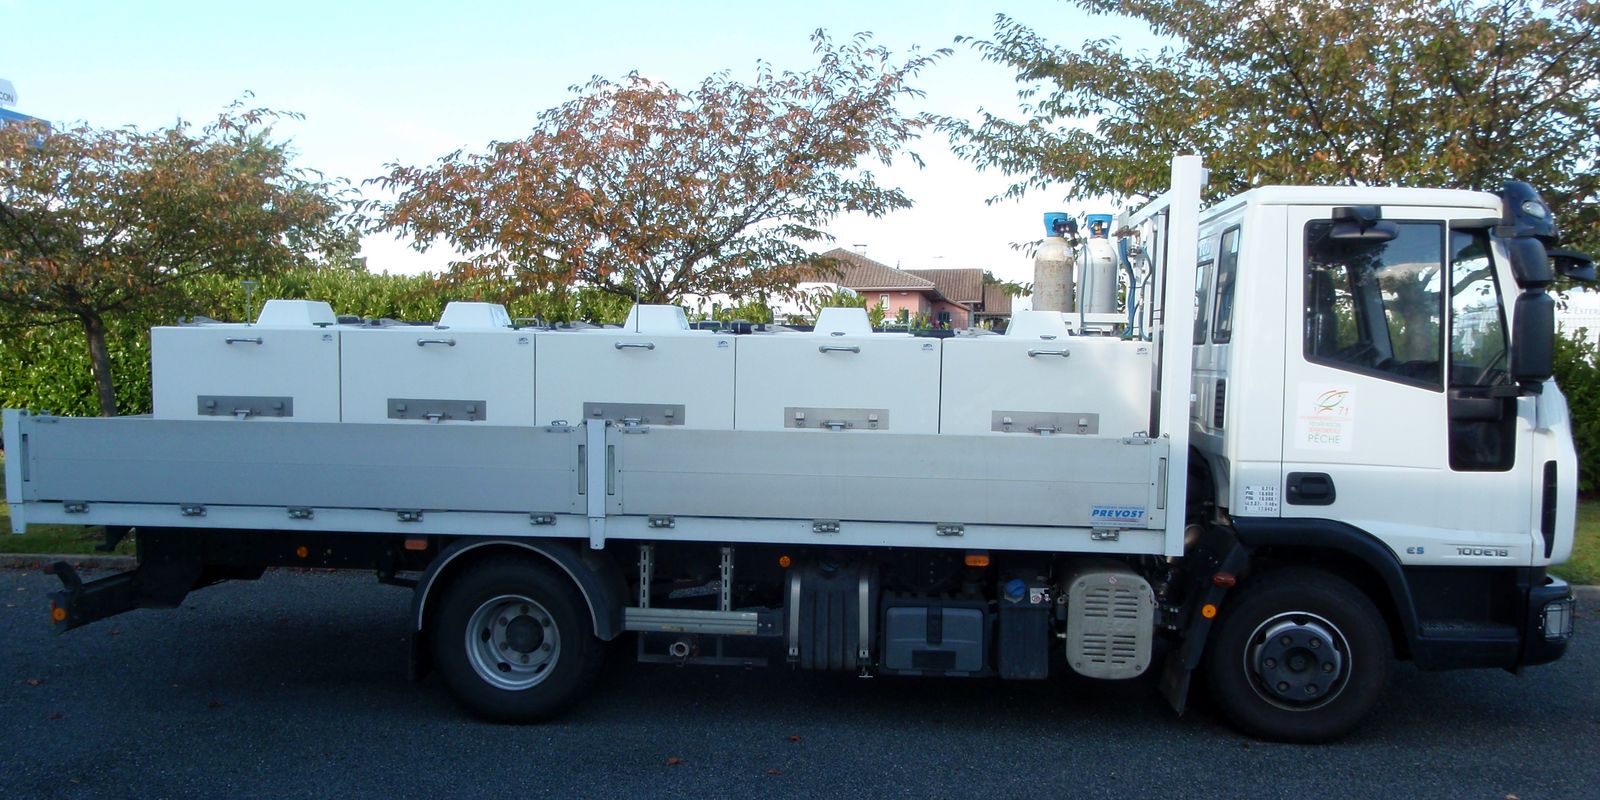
{"x": 883, "y": 300}
{"x": 944, "y": 318}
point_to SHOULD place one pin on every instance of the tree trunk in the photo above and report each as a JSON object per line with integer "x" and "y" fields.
{"x": 94, "y": 329}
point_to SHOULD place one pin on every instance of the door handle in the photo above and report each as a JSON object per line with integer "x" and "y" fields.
{"x": 1310, "y": 489}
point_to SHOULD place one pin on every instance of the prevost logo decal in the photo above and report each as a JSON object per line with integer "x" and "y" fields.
{"x": 1117, "y": 514}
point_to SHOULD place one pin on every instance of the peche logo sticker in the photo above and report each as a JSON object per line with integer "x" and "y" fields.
{"x": 1325, "y": 417}
{"x": 1126, "y": 515}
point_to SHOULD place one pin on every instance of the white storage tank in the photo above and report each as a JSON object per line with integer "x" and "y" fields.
{"x": 1036, "y": 379}
{"x": 653, "y": 371}
{"x": 472, "y": 368}
{"x": 840, "y": 377}
{"x": 284, "y": 367}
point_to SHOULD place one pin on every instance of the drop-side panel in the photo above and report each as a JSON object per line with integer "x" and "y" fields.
{"x": 424, "y": 375}
{"x": 1034, "y": 480}
{"x": 876, "y": 382}
{"x": 617, "y": 372}
{"x": 143, "y": 460}
{"x": 210, "y": 371}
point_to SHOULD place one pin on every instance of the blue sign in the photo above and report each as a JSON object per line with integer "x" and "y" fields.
{"x": 8, "y": 117}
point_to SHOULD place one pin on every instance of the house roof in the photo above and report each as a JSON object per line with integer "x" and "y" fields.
{"x": 862, "y": 273}
{"x": 996, "y": 302}
{"x": 960, "y": 285}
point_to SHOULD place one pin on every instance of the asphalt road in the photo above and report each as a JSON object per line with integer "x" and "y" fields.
{"x": 295, "y": 686}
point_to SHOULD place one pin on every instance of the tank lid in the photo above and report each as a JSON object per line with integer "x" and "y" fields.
{"x": 296, "y": 314}
{"x": 1037, "y": 325}
{"x": 461, "y": 314}
{"x": 656, "y": 319}
{"x": 1051, "y": 218}
{"x": 842, "y": 322}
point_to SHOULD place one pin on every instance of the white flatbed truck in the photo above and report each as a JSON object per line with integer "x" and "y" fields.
{"x": 1346, "y": 448}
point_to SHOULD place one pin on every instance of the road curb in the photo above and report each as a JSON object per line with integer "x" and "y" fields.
{"x": 1587, "y": 592}
{"x": 40, "y": 560}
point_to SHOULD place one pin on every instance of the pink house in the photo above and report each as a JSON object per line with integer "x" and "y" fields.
{"x": 952, "y": 298}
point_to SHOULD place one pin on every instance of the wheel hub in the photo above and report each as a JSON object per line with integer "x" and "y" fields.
{"x": 512, "y": 642}
{"x": 1298, "y": 660}
{"x": 524, "y": 634}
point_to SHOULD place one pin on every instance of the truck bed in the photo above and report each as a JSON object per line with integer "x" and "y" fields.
{"x": 1061, "y": 493}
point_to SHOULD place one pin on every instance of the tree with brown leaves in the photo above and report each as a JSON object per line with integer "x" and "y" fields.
{"x": 639, "y": 189}
{"x": 97, "y": 222}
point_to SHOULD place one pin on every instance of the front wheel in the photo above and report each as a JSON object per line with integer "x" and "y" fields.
{"x": 1299, "y": 656}
{"x": 514, "y": 641}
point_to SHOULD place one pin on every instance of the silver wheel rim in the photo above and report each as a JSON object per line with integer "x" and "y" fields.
{"x": 512, "y": 642}
{"x": 1297, "y": 661}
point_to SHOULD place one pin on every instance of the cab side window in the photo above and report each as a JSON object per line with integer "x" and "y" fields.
{"x": 1202, "y": 292}
{"x": 1477, "y": 325}
{"x": 1377, "y": 307}
{"x": 1227, "y": 267}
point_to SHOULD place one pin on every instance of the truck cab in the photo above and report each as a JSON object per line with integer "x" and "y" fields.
{"x": 1355, "y": 394}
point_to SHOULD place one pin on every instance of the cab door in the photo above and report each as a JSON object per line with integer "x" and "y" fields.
{"x": 1396, "y": 344}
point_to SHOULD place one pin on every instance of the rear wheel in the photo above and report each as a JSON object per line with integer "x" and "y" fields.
{"x": 1300, "y": 656}
{"x": 514, "y": 641}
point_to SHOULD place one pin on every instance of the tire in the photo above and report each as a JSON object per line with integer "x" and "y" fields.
{"x": 514, "y": 641}
{"x": 1298, "y": 655}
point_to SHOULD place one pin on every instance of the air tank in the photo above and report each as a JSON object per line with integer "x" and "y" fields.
{"x": 1053, "y": 264}
{"x": 1099, "y": 283}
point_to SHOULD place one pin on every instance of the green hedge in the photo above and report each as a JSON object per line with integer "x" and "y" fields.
{"x": 1578, "y": 374}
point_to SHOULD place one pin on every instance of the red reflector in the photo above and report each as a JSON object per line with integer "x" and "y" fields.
{"x": 416, "y": 544}
{"x": 1224, "y": 579}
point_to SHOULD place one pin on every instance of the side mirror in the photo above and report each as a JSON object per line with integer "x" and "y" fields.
{"x": 1533, "y": 334}
{"x": 1361, "y": 225}
{"x": 1574, "y": 265}
{"x": 1529, "y": 262}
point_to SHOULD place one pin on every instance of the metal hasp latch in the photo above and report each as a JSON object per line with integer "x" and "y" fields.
{"x": 836, "y": 419}
{"x": 438, "y": 410}
{"x": 1045, "y": 423}
{"x": 663, "y": 522}
{"x": 243, "y": 406}
{"x": 635, "y": 415}
{"x": 950, "y": 529}
{"x": 1104, "y": 534}
{"x": 825, "y": 526}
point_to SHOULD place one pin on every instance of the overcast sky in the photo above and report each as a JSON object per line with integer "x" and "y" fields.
{"x": 383, "y": 82}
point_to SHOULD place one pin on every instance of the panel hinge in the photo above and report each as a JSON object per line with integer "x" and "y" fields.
{"x": 408, "y": 515}
{"x": 301, "y": 513}
{"x": 1104, "y": 534}
{"x": 950, "y": 529}
{"x": 663, "y": 522}
{"x": 74, "y": 507}
{"x": 192, "y": 510}
{"x": 541, "y": 519}
{"x": 825, "y": 526}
